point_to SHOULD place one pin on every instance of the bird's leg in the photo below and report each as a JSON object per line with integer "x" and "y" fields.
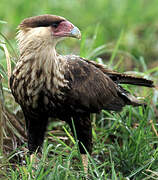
{"x": 36, "y": 124}
{"x": 85, "y": 162}
{"x": 34, "y": 161}
{"x": 83, "y": 130}
{"x": 32, "y": 158}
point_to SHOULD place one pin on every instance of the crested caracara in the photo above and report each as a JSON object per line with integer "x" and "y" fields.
{"x": 47, "y": 84}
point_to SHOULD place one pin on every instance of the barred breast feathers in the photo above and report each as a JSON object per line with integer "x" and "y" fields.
{"x": 39, "y": 65}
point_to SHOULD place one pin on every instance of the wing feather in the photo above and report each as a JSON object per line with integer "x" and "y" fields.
{"x": 91, "y": 89}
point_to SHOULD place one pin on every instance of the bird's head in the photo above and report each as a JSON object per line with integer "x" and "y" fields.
{"x": 46, "y": 29}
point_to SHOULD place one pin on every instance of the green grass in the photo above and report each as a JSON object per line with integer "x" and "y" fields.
{"x": 121, "y": 34}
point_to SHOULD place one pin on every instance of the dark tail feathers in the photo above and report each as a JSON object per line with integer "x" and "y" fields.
{"x": 129, "y": 79}
{"x": 120, "y": 78}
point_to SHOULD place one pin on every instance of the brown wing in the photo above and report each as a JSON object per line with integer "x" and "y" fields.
{"x": 90, "y": 89}
{"x": 122, "y": 78}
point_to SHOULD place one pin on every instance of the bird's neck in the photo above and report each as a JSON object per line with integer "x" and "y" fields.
{"x": 37, "y": 52}
{"x": 42, "y": 56}
{"x": 43, "y": 65}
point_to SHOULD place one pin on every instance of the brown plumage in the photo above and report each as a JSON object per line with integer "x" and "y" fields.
{"x": 46, "y": 84}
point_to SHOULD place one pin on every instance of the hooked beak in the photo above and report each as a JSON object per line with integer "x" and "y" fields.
{"x": 67, "y": 29}
{"x": 75, "y": 33}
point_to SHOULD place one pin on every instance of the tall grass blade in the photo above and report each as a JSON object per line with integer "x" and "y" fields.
{"x": 116, "y": 47}
{"x": 8, "y": 61}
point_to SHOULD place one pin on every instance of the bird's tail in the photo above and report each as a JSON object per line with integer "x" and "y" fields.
{"x": 120, "y": 78}
{"x": 128, "y": 98}
{"x": 130, "y": 79}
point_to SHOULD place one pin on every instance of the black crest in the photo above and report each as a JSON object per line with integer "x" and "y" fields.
{"x": 41, "y": 21}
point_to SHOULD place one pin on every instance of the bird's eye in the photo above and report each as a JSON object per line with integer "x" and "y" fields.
{"x": 55, "y": 24}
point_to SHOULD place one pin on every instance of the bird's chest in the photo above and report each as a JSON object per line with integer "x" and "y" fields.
{"x": 26, "y": 89}
{"x": 39, "y": 82}
{"x": 38, "y": 89}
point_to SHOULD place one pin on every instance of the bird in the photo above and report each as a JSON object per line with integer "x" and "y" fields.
{"x": 68, "y": 87}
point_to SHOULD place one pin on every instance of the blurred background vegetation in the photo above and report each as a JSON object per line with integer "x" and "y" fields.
{"x": 123, "y": 34}
{"x": 138, "y": 19}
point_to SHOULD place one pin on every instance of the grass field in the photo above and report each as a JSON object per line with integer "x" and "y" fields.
{"x": 124, "y": 36}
